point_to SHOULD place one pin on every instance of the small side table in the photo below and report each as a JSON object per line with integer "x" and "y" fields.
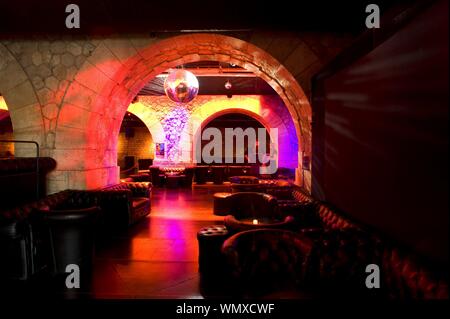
{"x": 221, "y": 204}
{"x": 210, "y": 240}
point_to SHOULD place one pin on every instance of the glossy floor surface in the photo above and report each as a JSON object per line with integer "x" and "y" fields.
{"x": 157, "y": 258}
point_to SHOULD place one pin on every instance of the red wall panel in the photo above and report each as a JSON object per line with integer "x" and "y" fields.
{"x": 380, "y": 135}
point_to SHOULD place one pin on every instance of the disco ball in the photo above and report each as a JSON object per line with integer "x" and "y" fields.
{"x": 181, "y": 86}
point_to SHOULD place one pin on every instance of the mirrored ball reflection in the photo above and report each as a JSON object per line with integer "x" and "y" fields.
{"x": 181, "y": 86}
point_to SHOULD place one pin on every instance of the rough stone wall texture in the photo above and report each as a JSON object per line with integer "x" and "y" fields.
{"x": 70, "y": 94}
{"x": 48, "y": 69}
{"x": 140, "y": 145}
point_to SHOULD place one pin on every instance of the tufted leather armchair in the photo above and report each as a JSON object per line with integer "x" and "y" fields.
{"x": 330, "y": 264}
{"x": 124, "y": 204}
{"x": 264, "y": 261}
{"x": 250, "y": 205}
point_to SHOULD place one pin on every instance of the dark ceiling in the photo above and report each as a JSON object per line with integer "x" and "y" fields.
{"x": 215, "y": 85}
{"x": 212, "y": 82}
{"x": 234, "y": 120}
{"x": 130, "y": 120}
{"x": 27, "y": 17}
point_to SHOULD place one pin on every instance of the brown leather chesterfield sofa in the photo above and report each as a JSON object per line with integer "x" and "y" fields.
{"x": 20, "y": 181}
{"x": 124, "y": 204}
{"x": 22, "y": 252}
{"x": 328, "y": 259}
{"x": 331, "y": 264}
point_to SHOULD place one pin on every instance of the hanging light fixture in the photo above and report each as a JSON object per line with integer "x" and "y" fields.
{"x": 181, "y": 86}
{"x": 228, "y": 87}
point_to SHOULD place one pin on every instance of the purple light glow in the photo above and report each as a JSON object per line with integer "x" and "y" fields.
{"x": 173, "y": 125}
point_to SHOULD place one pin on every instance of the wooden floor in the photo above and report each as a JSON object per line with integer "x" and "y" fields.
{"x": 156, "y": 258}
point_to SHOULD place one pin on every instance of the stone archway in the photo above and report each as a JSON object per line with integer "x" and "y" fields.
{"x": 150, "y": 120}
{"x": 287, "y": 144}
{"x": 199, "y": 127}
{"x": 100, "y": 93}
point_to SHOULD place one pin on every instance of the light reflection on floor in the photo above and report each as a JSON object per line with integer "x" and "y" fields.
{"x": 157, "y": 258}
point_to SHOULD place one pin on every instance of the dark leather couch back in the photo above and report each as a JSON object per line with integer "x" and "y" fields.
{"x": 252, "y": 205}
{"x": 18, "y": 180}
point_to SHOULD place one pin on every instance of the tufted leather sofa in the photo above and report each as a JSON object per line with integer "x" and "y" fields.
{"x": 121, "y": 205}
{"x": 334, "y": 260}
{"x": 290, "y": 198}
{"x": 19, "y": 174}
{"x": 340, "y": 256}
{"x": 245, "y": 184}
{"x": 330, "y": 265}
{"x": 308, "y": 212}
{"x": 409, "y": 278}
{"x": 20, "y": 246}
{"x": 263, "y": 261}
{"x": 124, "y": 204}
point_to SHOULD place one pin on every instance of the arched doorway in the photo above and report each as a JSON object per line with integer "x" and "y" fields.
{"x": 135, "y": 146}
{"x": 114, "y": 93}
{"x": 149, "y": 119}
{"x": 266, "y": 110}
{"x": 235, "y": 120}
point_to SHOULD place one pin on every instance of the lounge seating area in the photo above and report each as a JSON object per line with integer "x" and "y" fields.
{"x": 274, "y": 239}
{"x": 259, "y": 156}
{"x": 203, "y": 175}
{"x": 317, "y": 254}
{"x": 329, "y": 264}
{"x": 72, "y": 218}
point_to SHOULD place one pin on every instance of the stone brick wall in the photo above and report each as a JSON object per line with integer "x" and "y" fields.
{"x": 50, "y": 66}
{"x": 140, "y": 145}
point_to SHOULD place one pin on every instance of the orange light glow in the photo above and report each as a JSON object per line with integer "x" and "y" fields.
{"x": 3, "y": 105}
